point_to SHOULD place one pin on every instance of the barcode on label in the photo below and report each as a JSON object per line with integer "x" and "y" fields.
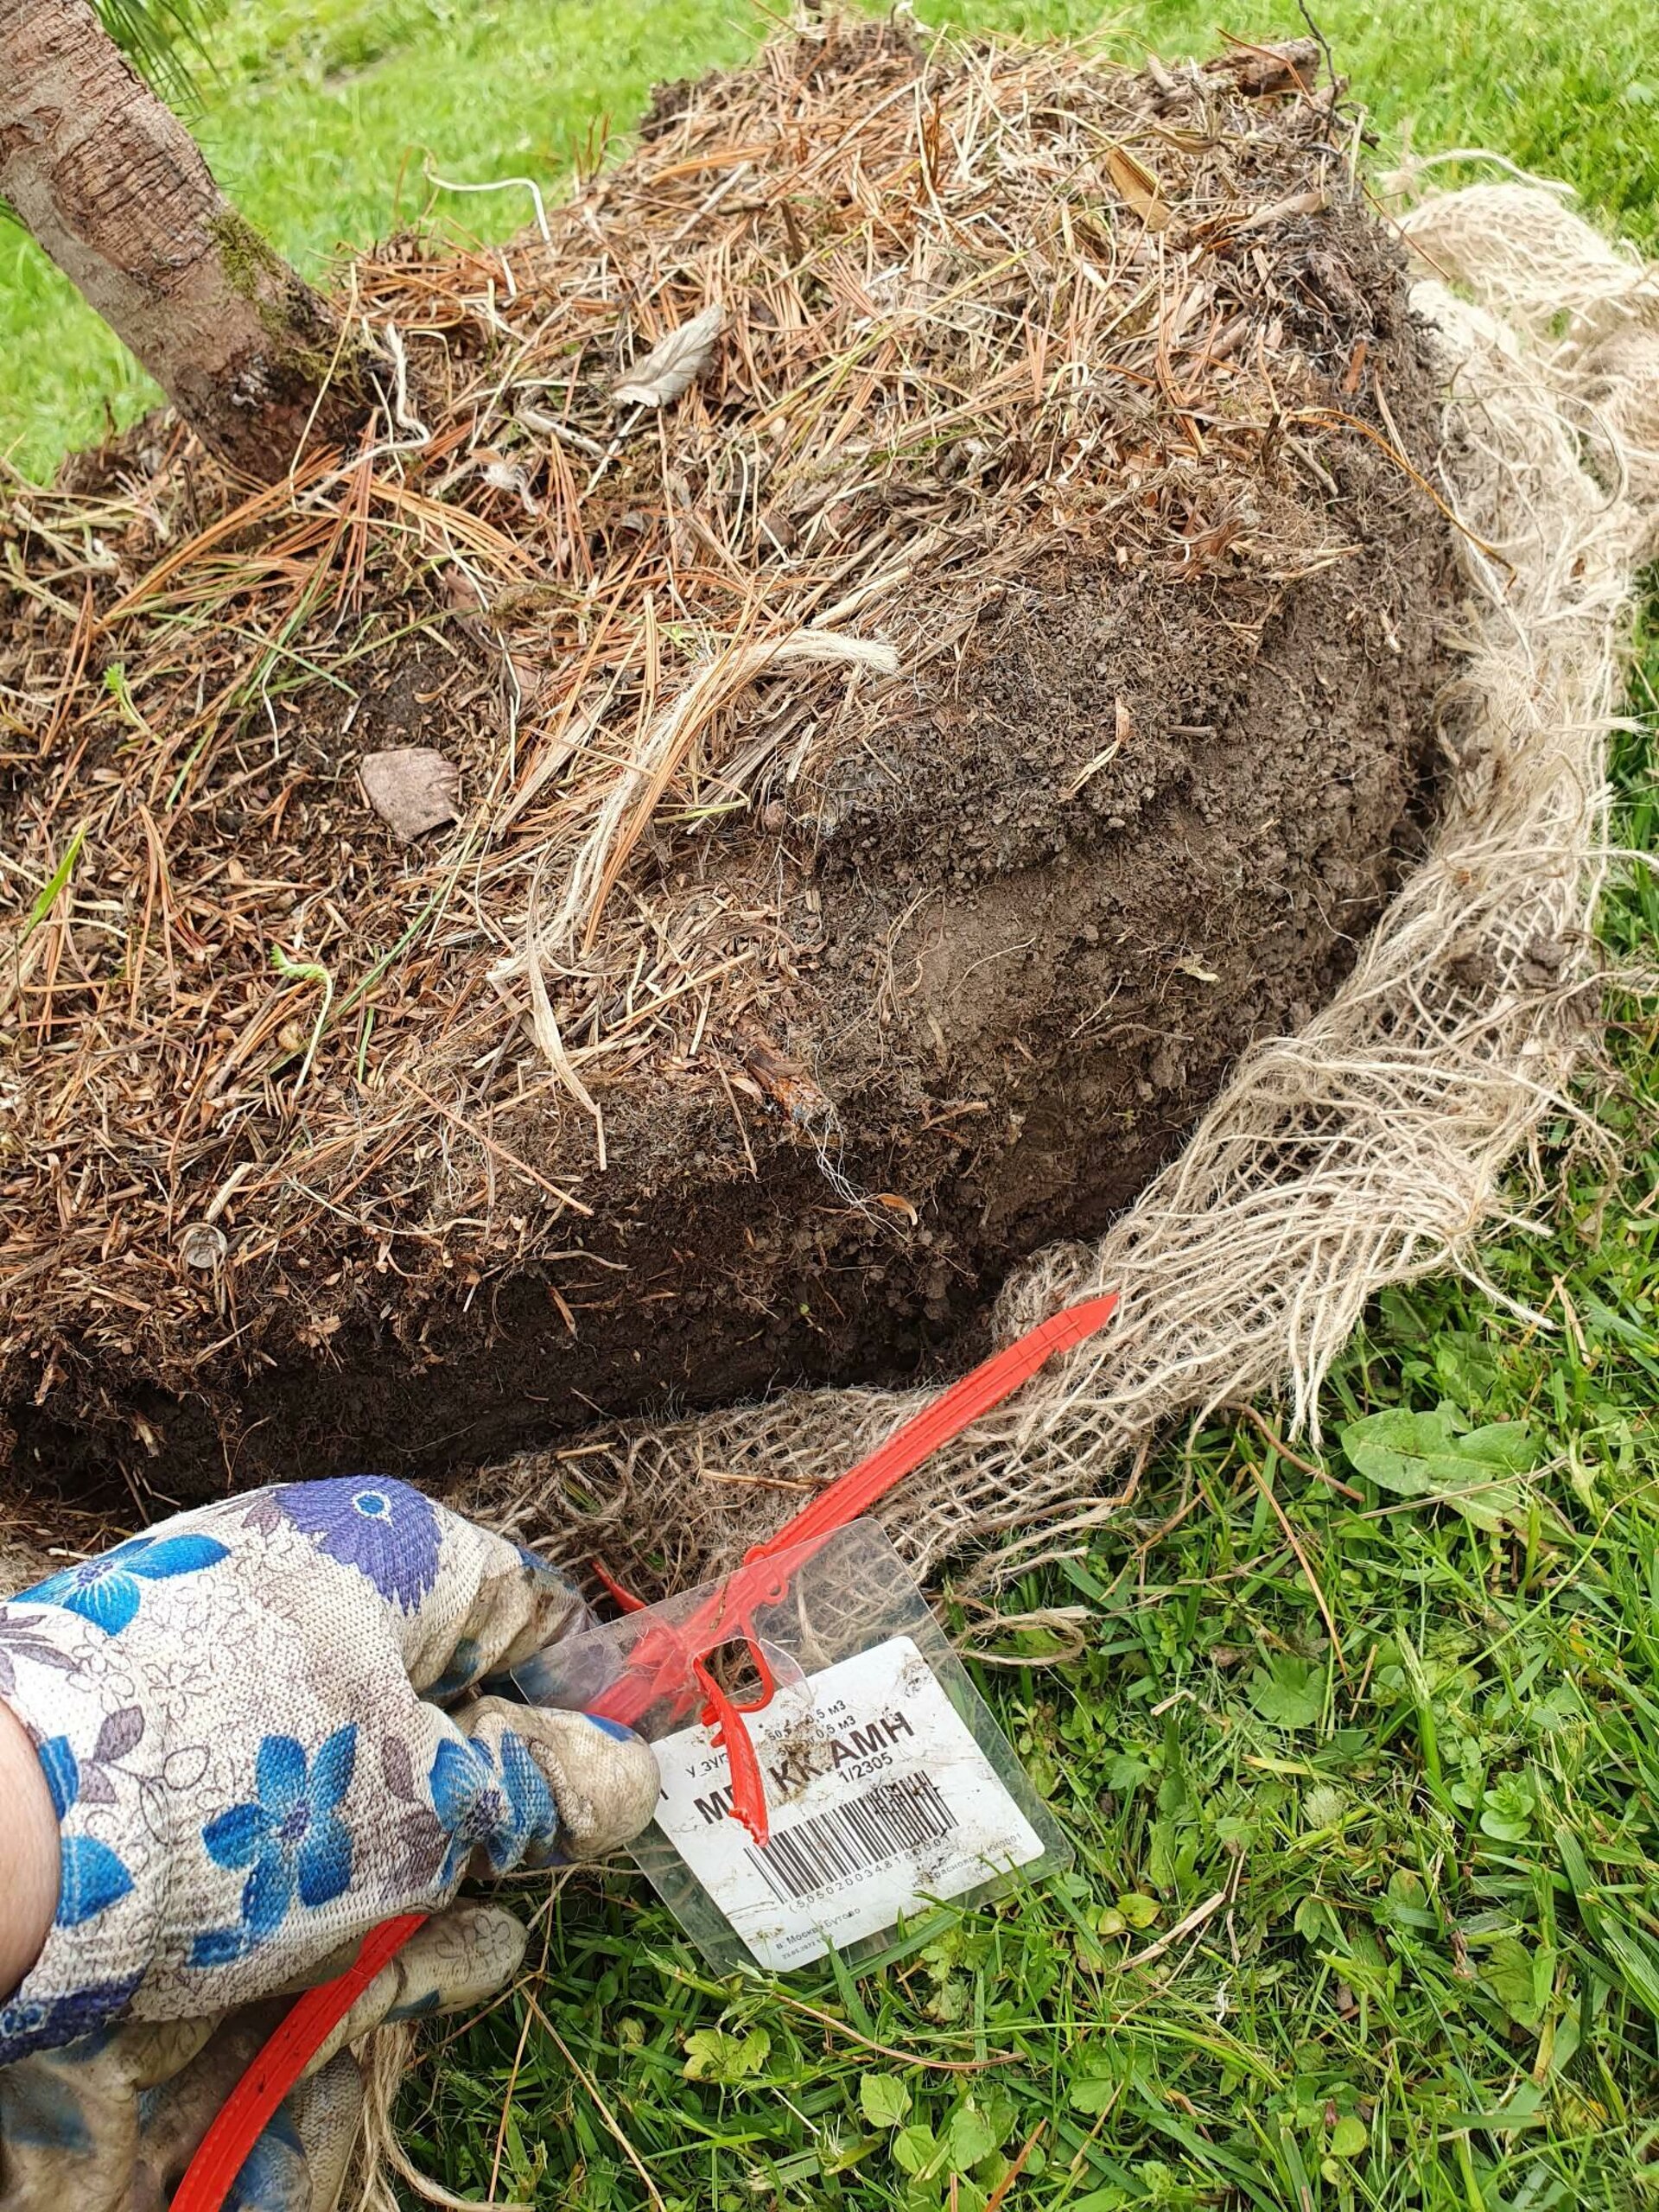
{"x": 886, "y": 1822}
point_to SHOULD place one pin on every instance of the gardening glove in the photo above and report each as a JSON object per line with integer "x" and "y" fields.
{"x": 245, "y": 1720}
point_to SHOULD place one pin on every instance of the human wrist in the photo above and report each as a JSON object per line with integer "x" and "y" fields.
{"x": 77, "y": 1704}
{"x": 30, "y": 1869}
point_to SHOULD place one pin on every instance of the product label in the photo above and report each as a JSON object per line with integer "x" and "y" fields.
{"x": 879, "y": 1801}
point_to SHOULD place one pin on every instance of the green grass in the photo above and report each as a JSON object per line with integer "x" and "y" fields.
{"x": 319, "y": 115}
{"x": 1436, "y": 1982}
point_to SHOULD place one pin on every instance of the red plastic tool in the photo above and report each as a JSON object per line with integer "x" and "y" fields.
{"x": 658, "y": 1664}
{"x": 289, "y": 2050}
{"x": 669, "y": 1655}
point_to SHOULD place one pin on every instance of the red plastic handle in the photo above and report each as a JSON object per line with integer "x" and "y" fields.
{"x": 661, "y": 1660}
{"x": 313, "y": 2019}
{"x": 979, "y": 1390}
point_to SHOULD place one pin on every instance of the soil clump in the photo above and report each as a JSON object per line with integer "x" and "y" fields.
{"x": 925, "y": 592}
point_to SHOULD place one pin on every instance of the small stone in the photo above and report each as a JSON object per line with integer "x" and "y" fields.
{"x": 203, "y": 1245}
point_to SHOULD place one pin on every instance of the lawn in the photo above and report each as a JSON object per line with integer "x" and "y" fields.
{"x": 1434, "y": 1976}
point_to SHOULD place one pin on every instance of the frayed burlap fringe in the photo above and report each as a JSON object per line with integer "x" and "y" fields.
{"x": 1371, "y": 1148}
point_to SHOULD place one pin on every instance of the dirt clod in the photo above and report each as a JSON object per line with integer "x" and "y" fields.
{"x": 412, "y": 789}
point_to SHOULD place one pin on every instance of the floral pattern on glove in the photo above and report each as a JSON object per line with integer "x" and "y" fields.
{"x": 290, "y": 1836}
{"x": 386, "y": 1531}
{"x": 109, "y": 1590}
{"x": 245, "y": 1718}
{"x": 492, "y": 1799}
{"x": 92, "y": 1877}
{"x": 29, "y": 2024}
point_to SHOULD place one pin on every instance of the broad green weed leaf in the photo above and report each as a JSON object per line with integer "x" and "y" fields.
{"x": 1091, "y": 2096}
{"x": 1349, "y": 2137}
{"x": 971, "y": 2136}
{"x": 883, "y": 2100}
{"x": 711, "y": 2055}
{"x": 1464, "y": 1366}
{"x": 1288, "y": 1692}
{"x": 1508, "y": 1445}
{"x": 1095, "y": 2079}
{"x": 916, "y": 2150}
{"x": 1435, "y": 1456}
{"x": 1511, "y": 1971}
{"x": 1396, "y": 1448}
{"x": 1315, "y": 1923}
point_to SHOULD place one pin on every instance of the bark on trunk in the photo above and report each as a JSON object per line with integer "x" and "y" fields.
{"x": 116, "y": 190}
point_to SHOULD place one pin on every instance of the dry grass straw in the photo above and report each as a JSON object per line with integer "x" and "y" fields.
{"x": 1372, "y": 1148}
{"x": 977, "y": 307}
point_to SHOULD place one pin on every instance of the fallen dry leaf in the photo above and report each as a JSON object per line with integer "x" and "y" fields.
{"x": 894, "y": 1204}
{"x": 671, "y": 366}
{"x": 411, "y": 788}
{"x": 785, "y": 1083}
{"x": 1134, "y": 181}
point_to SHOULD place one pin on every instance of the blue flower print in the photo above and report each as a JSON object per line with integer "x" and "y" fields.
{"x": 508, "y": 1809}
{"x": 386, "y": 1531}
{"x": 108, "y": 1590}
{"x": 28, "y": 2023}
{"x": 291, "y": 1838}
{"x": 92, "y": 1877}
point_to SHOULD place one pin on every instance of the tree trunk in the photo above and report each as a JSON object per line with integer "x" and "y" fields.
{"x": 116, "y": 190}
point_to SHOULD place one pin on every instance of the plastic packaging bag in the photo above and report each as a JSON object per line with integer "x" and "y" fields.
{"x": 830, "y": 1772}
